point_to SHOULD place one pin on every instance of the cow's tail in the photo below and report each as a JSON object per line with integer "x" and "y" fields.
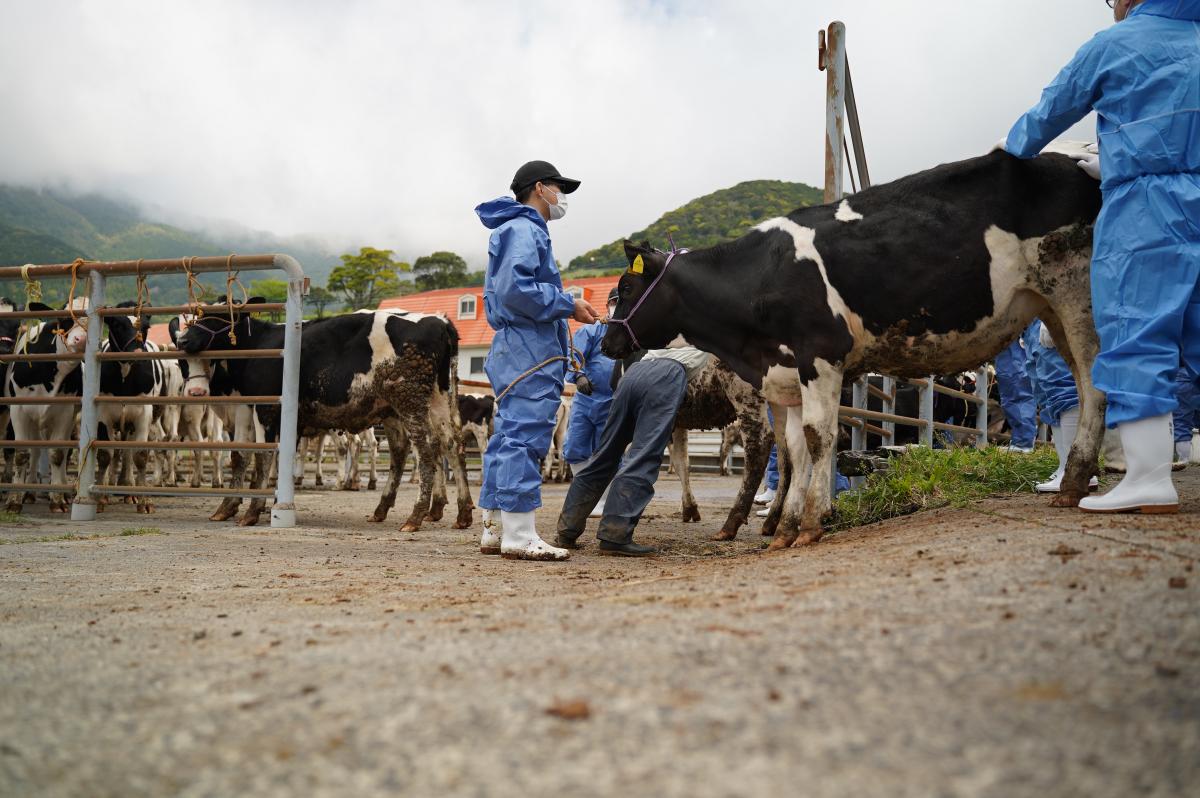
{"x": 447, "y": 373}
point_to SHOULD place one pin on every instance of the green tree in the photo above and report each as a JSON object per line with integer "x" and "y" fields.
{"x": 320, "y": 298}
{"x": 440, "y": 270}
{"x": 271, "y": 291}
{"x": 366, "y": 278}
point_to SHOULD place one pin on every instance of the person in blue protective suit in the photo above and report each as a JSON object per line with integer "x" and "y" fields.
{"x": 1142, "y": 77}
{"x": 1056, "y": 396}
{"x": 1016, "y": 396}
{"x": 527, "y": 363}
{"x": 1187, "y": 415}
{"x": 590, "y": 412}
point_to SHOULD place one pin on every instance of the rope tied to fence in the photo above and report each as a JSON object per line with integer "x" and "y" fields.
{"x": 194, "y": 284}
{"x": 75, "y": 319}
{"x": 33, "y": 293}
{"x": 231, "y": 277}
{"x": 142, "y": 294}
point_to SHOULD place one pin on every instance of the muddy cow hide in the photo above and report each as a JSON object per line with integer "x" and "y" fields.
{"x": 931, "y": 274}
{"x": 356, "y": 370}
{"x": 715, "y": 399}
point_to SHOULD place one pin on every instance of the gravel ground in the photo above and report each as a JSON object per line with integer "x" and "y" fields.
{"x": 1008, "y": 649}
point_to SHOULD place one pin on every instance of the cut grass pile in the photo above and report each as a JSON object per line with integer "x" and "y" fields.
{"x": 127, "y": 532}
{"x": 12, "y": 519}
{"x": 924, "y": 479}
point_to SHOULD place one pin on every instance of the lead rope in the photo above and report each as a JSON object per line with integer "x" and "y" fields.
{"x": 33, "y": 293}
{"x": 231, "y": 278}
{"x": 575, "y": 366}
{"x": 142, "y": 295}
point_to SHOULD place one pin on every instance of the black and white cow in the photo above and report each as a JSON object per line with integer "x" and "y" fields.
{"x": 9, "y": 330}
{"x": 356, "y": 370}
{"x": 54, "y": 422}
{"x": 129, "y": 421}
{"x": 202, "y": 377}
{"x": 933, "y": 273}
{"x": 475, "y": 412}
{"x": 716, "y": 397}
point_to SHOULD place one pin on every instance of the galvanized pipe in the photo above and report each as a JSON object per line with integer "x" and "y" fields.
{"x": 981, "y": 412}
{"x": 926, "y": 413}
{"x": 83, "y": 508}
{"x": 166, "y": 354}
{"x": 283, "y": 514}
{"x": 889, "y": 406}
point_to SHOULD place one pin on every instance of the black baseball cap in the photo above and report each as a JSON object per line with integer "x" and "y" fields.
{"x": 544, "y": 171}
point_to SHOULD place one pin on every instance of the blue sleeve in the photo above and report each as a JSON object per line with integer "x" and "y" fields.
{"x": 582, "y": 342}
{"x": 517, "y": 286}
{"x": 1064, "y": 102}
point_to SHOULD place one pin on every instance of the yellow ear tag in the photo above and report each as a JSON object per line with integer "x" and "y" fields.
{"x": 637, "y": 266}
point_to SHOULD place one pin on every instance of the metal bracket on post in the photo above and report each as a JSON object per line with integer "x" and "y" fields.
{"x": 981, "y": 409}
{"x": 926, "y": 414}
{"x": 283, "y": 514}
{"x": 84, "y": 506}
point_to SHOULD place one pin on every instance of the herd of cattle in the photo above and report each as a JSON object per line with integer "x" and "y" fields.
{"x": 390, "y": 369}
{"x": 934, "y": 272}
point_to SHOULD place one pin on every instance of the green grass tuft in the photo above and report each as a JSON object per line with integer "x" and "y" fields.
{"x": 924, "y": 479}
{"x": 139, "y": 530}
{"x": 16, "y": 519}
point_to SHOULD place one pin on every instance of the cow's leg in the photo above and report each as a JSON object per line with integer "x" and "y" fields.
{"x": 756, "y": 441}
{"x": 372, "y": 459}
{"x": 821, "y": 398}
{"x": 679, "y": 458}
{"x": 779, "y": 435}
{"x": 397, "y": 456}
{"x": 416, "y": 425}
{"x": 792, "y": 506}
{"x": 1075, "y": 336}
{"x": 243, "y": 430}
{"x": 141, "y": 432}
{"x": 62, "y": 427}
{"x": 24, "y": 429}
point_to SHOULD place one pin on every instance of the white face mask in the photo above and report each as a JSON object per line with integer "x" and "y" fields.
{"x": 558, "y": 208}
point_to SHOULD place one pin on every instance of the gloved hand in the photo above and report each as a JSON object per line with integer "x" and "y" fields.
{"x": 1045, "y": 339}
{"x": 1002, "y": 144}
{"x": 1091, "y": 165}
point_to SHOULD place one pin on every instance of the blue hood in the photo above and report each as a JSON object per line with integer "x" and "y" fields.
{"x": 1175, "y": 9}
{"x": 494, "y": 213}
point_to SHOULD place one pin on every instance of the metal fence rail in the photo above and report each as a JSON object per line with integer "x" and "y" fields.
{"x": 283, "y": 513}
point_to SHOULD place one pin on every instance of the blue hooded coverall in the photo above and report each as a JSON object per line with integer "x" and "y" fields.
{"x": 1053, "y": 384}
{"x": 1016, "y": 394}
{"x": 588, "y": 413}
{"x": 528, "y": 308}
{"x": 1142, "y": 77}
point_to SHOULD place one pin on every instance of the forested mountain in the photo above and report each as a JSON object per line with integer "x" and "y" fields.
{"x": 49, "y": 226}
{"x": 707, "y": 220}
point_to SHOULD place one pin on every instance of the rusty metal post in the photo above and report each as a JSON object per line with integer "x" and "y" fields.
{"x": 835, "y": 109}
{"x": 84, "y": 506}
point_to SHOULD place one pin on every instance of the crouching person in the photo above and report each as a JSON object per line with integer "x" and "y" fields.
{"x": 641, "y": 418}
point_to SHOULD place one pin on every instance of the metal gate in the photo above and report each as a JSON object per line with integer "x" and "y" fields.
{"x": 283, "y": 514}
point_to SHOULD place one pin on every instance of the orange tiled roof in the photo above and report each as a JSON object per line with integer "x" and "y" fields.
{"x": 159, "y": 334}
{"x": 476, "y": 332}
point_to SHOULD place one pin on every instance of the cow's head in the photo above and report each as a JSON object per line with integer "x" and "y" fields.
{"x": 212, "y": 332}
{"x": 9, "y": 328}
{"x": 76, "y": 336}
{"x": 642, "y": 310}
{"x": 123, "y": 334}
{"x": 197, "y": 372}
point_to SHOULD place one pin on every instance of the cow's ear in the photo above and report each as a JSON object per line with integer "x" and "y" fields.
{"x": 256, "y": 300}
{"x": 38, "y": 306}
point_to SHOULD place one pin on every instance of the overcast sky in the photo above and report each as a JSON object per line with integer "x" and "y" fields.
{"x": 385, "y": 123}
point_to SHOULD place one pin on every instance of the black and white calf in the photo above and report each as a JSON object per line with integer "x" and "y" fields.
{"x": 54, "y": 422}
{"x": 129, "y": 421}
{"x": 933, "y": 273}
{"x": 475, "y": 412}
{"x": 356, "y": 370}
{"x": 9, "y": 330}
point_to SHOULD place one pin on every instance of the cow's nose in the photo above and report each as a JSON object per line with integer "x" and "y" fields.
{"x": 197, "y": 392}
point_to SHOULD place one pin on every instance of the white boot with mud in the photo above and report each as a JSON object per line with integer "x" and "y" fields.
{"x": 1064, "y": 436}
{"x": 520, "y": 541}
{"x": 766, "y": 497}
{"x": 1147, "y": 486}
{"x": 489, "y": 541}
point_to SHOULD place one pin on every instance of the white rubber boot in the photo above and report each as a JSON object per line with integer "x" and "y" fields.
{"x": 1147, "y": 485}
{"x": 489, "y": 541}
{"x": 598, "y": 510}
{"x": 766, "y": 497}
{"x": 1064, "y": 436}
{"x": 1183, "y": 451}
{"x": 520, "y": 541}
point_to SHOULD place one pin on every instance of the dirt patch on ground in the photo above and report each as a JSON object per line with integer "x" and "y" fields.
{"x": 1006, "y": 649}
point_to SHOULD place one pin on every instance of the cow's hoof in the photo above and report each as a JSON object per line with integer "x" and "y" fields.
{"x": 378, "y": 516}
{"x": 409, "y": 528}
{"x": 435, "y": 512}
{"x": 129, "y": 499}
{"x": 691, "y": 515}
{"x": 778, "y": 544}
{"x": 14, "y": 508}
{"x": 58, "y": 507}
{"x": 220, "y": 515}
{"x": 371, "y": 485}
{"x": 146, "y": 507}
{"x": 807, "y": 538}
{"x": 464, "y": 519}
{"x": 248, "y": 520}
{"x": 29, "y": 498}
{"x": 725, "y": 534}
{"x": 351, "y": 486}
{"x": 1066, "y": 498}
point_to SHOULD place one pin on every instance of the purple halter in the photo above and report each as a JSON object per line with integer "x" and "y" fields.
{"x": 625, "y": 321}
